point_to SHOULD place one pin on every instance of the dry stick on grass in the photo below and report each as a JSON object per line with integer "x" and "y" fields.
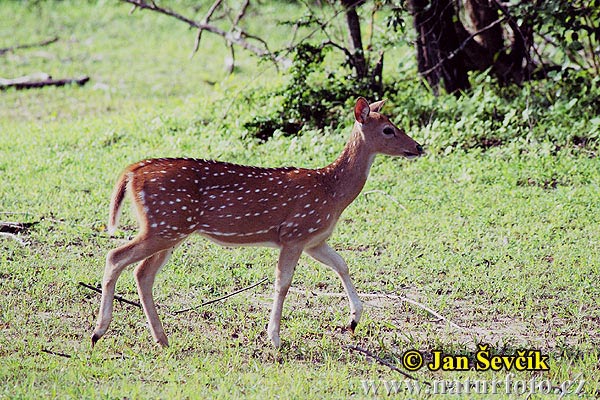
{"x": 222, "y": 297}
{"x": 388, "y": 296}
{"x": 117, "y": 297}
{"x": 29, "y": 45}
{"x": 18, "y": 84}
{"x": 136, "y": 304}
{"x": 16, "y": 227}
{"x": 54, "y": 353}
{"x": 384, "y": 362}
{"x": 11, "y": 229}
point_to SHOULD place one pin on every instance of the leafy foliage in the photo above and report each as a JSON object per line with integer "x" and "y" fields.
{"x": 313, "y": 97}
{"x": 553, "y": 114}
{"x": 570, "y": 29}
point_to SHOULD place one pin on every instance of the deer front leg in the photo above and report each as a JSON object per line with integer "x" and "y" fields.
{"x": 326, "y": 255}
{"x": 288, "y": 258}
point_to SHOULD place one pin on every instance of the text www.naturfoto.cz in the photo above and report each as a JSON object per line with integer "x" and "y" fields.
{"x": 508, "y": 386}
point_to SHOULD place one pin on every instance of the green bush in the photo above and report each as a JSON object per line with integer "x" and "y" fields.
{"x": 315, "y": 97}
{"x": 557, "y": 113}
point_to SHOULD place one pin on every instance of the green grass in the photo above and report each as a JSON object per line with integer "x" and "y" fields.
{"x": 502, "y": 242}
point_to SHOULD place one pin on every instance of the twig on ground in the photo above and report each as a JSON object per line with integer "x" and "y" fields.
{"x": 384, "y": 362}
{"x": 388, "y": 296}
{"x": 430, "y": 311}
{"x": 16, "y": 227}
{"x": 54, "y": 353}
{"x": 20, "y": 83}
{"x": 14, "y": 212}
{"x": 222, "y": 297}
{"x": 11, "y": 229}
{"x": 389, "y": 196}
{"x": 117, "y": 297}
{"x": 29, "y": 45}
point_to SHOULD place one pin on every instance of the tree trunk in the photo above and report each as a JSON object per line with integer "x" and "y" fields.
{"x": 439, "y": 59}
{"x": 509, "y": 62}
{"x": 356, "y": 46}
{"x": 516, "y": 65}
{"x": 483, "y": 13}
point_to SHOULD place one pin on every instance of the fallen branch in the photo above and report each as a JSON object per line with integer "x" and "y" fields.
{"x": 29, "y": 45}
{"x": 117, "y": 297}
{"x": 54, "y": 353}
{"x": 222, "y": 297}
{"x": 384, "y": 362}
{"x": 388, "y": 296}
{"x": 11, "y": 229}
{"x": 24, "y": 83}
{"x": 430, "y": 311}
{"x": 16, "y": 227}
{"x": 14, "y": 212}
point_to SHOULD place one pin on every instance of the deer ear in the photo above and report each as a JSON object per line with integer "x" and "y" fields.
{"x": 361, "y": 110}
{"x": 376, "y": 107}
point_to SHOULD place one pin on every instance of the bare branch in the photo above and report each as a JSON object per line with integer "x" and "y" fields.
{"x": 16, "y": 227}
{"x": 54, "y": 353}
{"x": 463, "y": 45}
{"x": 117, "y": 297}
{"x": 230, "y": 64}
{"x": 383, "y": 362}
{"x": 206, "y": 20}
{"x": 331, "y": 43}
{"x": 355, "y": 52}
{"x": 29, "y": 45}
{"x": 21, "y": 83}
{"x": 222, "y": 297}
{"x": 230, "y": 37}
{"x": 241, "y": 13}
{"x": 387, "y": 296}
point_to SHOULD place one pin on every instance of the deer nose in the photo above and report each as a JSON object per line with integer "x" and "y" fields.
{"x": 420, "y": 149}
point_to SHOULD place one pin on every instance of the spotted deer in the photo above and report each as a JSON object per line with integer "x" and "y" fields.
{"x": 292, "y": 209}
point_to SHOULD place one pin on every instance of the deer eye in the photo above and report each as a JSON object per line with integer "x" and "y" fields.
{"x": 388, "y": 131}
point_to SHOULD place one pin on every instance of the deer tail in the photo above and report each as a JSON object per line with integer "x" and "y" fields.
{"x": 116, "y": 202}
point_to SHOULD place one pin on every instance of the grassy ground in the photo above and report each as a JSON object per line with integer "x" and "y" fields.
{"x": 502, "y": 243}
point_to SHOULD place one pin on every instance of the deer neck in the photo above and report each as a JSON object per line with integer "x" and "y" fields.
{"x": 348, "y": 174}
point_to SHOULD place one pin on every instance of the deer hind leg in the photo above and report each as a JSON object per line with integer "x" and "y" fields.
{"x": 288, "y": 258}
{"x": 136, "y": 250}
{"x": 326, "y": 255}
{"x": 144, "y": 274}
